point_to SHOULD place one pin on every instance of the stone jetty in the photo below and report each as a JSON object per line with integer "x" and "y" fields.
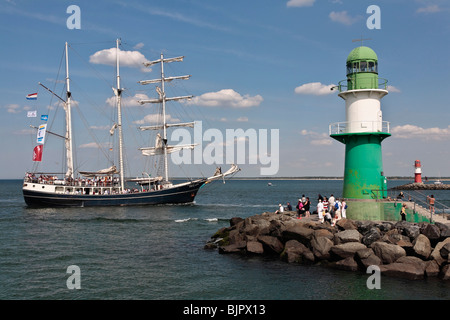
{"x": 422, "y": 186}
{"x": 399, "y": 249}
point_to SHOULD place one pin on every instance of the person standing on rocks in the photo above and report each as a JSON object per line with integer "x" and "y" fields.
{"x": 430, "y": 201}
{"x": 325, "y": 204}
{"x": 344, "y": 209}
{"x": 320, "y": 210}
{"x": 299, "y": 208}
{"x": 306, "y": 207}
{"x": 331, "y": 201}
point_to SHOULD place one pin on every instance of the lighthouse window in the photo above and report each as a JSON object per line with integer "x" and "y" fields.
{"x": 373, "y": 66}
{"x": 363, "y": 66}
{"x": 355, "y": 67}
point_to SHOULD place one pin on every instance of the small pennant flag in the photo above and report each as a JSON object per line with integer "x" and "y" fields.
{"x": 32, "y": 96}
{"x": 37, "y": 153}
{"x": 32, "y": 114}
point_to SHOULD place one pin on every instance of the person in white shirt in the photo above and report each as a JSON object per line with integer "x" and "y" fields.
{"x": 344, "y": 210}
{"x": 280, "y": 210}
{"x": 320, "y": 210}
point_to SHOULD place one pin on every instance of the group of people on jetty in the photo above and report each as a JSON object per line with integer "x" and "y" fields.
{"x": 328, "y": 209}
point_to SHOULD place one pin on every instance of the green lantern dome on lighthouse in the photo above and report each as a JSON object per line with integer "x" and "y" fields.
{"x": 362, "y": 53}
{"x": 362, "y": 69}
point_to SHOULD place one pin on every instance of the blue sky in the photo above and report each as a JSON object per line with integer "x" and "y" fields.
{"x": 256, "y": 64}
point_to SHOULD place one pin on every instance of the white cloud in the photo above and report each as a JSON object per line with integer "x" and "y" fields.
{"x": 343, "y": 17}
{"x": 156, "y": 118}
{"x": 317, "y": 139}
{"x": 429, "y": 9}
{"x": 393, "y": 89}
{"x": 128, "y": 101}
{"x": 300, "y": 3}
{"x": 409, "y": 131}
{"x": 242, "y": 119}
{"x": 314, "y": 88}
{"x": 13, "y": 108}
{"x": 89, "y": 145}
{"x": 226, "y": 98}
{"x": 133, "y": 59}
{"x": 138, "y": 46}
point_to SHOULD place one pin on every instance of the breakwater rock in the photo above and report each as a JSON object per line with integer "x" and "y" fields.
{"x": 422, "y": 186}
{"x": 401, "y": 249}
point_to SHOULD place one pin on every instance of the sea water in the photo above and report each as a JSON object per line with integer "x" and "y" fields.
{"x": 158, "y": 252}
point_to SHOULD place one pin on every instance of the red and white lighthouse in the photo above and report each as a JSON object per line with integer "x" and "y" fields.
{"x": 417, "y": 172}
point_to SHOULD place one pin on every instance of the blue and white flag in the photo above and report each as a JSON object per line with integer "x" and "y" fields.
{"x": 32, "y": 96}
{"x": 41, "y": 133}
{"x": 44, "y": 117}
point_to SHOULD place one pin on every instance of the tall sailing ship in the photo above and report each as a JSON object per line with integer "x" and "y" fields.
{"x": 109, "y": 187}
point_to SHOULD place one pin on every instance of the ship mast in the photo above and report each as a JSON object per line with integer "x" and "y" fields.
{"x": 118, "y": 93}
{"x": 162, "y": 99}
{"x": 68, "y": 142}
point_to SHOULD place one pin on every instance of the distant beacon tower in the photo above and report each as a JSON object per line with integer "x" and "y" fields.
{"x": 362, "y": 133}
{"x": 417, "y": 172}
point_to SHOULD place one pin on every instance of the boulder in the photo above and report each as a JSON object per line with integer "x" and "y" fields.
{"x": 385, "y": 226}
{"x": 321, "y": 247}
{"x": 402, "y": 270}
{"x": 364, "y": 226}
{"x": 234, "y": 221}
{"x": 255, "y": 247}
{"x": 370, "y": 236}
{"x": 366, "y": 257}
{"x": 351, "y": 235}
{"x": 235, "y": 237}
{"x": 233, "y": 248}
{"x": 413, "y": 260}
{"x": 298, "y": 232}
{"x": 422, "y": 246}
{"x": 295, "y": 251}
{"x": 411, "y": 230}
{"x": 388, "y": 253}
{"x": 256, "y": 225}
{"x": 348, "y": 264}
{"x": 436, "y": 254}
{"x": 445, "y": 273}
{"x": 271, "y": 244}
{"x": 444, "y": 229}
{"x": 346, "y": 224}
{"x": 346, "y": 250}
{"x": 445, "y": 251}
{"x": 431, "y": 231}
{"x": 432, "y": 269}
{"x": 323, "y": 233}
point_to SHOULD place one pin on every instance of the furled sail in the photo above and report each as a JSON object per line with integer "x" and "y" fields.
{"x": 158, "y": 149}
{"x": 168, "y": 125}
{"x": 107, "y": 171}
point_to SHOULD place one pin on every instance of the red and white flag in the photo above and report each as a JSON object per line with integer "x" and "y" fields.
{"x": 37, "y": 153}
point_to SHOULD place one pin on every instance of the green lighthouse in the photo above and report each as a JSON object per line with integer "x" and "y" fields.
{"x": 362, "y": 133}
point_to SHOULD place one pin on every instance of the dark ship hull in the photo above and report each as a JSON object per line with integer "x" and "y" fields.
{"x": 178, "y": 194}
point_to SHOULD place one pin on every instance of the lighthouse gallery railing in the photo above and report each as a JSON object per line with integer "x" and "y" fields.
{"x": 363, "y": 126}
